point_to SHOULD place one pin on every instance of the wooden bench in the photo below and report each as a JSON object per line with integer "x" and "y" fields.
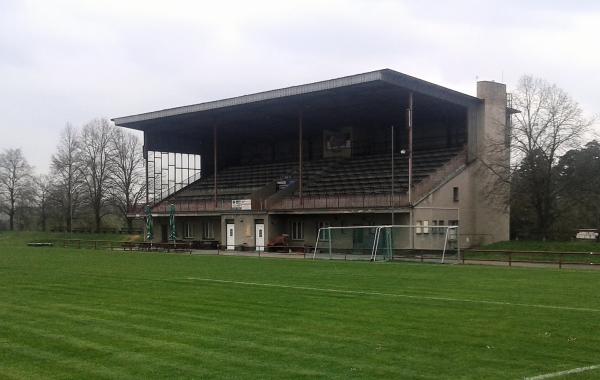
{"x": 44, "y": 244}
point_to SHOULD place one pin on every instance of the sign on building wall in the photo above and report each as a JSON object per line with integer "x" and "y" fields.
{"x": 587, "y": 234}
{"x": 241, "y": 204}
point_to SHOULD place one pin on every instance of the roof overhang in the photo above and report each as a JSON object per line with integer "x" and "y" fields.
{"x": 349, "y": 85}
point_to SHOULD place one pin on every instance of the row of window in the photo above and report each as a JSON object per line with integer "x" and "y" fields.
{"x": 208, "y": 230}
{"x": 436, "y": 227}
{"x": 297, "y": 229}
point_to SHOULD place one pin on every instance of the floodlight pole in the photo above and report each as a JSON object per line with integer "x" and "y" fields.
{"x": 410, "y": 146}
{"x": 215, "y": 162}
{"x": 410, "y": 162}
{"x": 300, "y": 157}
{"x": 392, "y": 203}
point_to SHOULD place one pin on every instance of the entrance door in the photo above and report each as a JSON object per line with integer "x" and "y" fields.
{"x": 260, "y": 237}
{"x": 230, "y": 236}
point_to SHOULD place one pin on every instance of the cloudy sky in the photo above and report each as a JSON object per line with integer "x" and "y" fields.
{"x": 71, "y": 61}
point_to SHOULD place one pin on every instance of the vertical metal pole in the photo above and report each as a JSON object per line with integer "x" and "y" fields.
{"x": 410, "y": 159}
{"x": 458, "y": 233}
{"x": 393, "y": 203}
{"x": 445, "y": 244}
{"x": 300, "y": 157}
{"x": 390, "y": 243}
{"x": 317, "y": 244}
{"x": 329, "y": 238}
{"x": 410, "y": 146}
{"x": 215, "y": 162}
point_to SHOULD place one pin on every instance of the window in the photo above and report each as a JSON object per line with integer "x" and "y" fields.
{"x": 426, "y": 226}
{"x": 419, "y": 230}
{"x": 209, "y": 230}
{"x": 324, "y": 234}
{"x": 358, "y": 236}
{"x": 188, "y": 229}
{"x": 452, "y": 234}
{"x": 441, "y": 231}
{"x": 455, "y": 194}
{"x": 297, "y": 230}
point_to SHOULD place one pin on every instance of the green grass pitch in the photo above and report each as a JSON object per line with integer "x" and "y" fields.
{"x": 68, "y": 313}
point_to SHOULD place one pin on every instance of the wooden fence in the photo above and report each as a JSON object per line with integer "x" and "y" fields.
{"x": 531, "y": 257}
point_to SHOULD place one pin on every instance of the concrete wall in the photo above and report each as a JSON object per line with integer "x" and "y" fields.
{"x": 440, "y": 204}
{"x": 484, "y": 214}
{"x": 245, "y": 228}
{"x": 491, "y": 195}
{"x": 197, "y": 223}
{"x": 343, "y": 239}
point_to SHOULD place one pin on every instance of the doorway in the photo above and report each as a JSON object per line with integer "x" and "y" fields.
{"x": 230, "y": 236}
{"x": 260, "y": 236}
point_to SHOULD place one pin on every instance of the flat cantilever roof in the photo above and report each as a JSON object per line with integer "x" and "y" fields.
{"x": 384, "y": 77}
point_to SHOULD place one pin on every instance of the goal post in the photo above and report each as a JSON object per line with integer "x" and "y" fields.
{"x": 346, "y": 243}
{"x": 386, "y": 242}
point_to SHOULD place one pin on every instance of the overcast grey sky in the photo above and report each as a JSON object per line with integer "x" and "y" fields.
{"x": 70, "y": 61}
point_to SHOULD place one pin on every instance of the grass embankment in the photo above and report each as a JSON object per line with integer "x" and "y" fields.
{"x": 535, "y": 251}
{"x": 553, "y": 246}
{"x": 68, "y": 313}
{"x": 18, "y": 238}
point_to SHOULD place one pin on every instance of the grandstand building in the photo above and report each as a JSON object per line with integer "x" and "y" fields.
{"x": 369, "y": 149}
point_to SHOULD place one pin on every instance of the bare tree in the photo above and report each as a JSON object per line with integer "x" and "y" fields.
{"x": 15, "y": 182}
{"x": 549, "y": 123}
{"x": 96, "y": 154}
{"x": 68, "y": 177}
{"x": 127, "y": 180}
{"x": 43, "y": 189}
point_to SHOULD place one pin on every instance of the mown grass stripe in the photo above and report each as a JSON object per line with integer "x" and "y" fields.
{"x": 382, "y": 294}
{"x": 191, "y": 352}
{"x": 144, "y": 304}
{"x": 310, "y": 358}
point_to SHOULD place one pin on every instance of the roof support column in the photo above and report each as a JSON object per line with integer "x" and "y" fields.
{"x": 300, "y": 148}
{"x": 215, "y": 162}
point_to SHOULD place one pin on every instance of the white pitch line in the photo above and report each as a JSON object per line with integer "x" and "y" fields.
{"x": 564, "y": 373}
{"x": 432, "y": 298}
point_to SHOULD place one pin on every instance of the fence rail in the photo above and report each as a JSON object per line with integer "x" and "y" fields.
{"x": 531, "y": 257}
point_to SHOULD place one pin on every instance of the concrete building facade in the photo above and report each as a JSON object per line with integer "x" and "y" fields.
{"x": 377, "y": 148}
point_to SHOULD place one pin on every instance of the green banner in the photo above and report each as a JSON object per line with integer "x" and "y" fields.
{"x": 149, "y": 223}
{"x": 172, "y": 228}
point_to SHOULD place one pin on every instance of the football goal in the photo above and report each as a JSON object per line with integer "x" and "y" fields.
{"x": 387, "y": 242}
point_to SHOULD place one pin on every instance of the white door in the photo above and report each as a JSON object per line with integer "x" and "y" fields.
{"x": 230, "y": 236}
{"x": 260, "y": 237}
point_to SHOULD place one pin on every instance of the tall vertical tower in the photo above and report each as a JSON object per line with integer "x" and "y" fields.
{"x": 490, "y": 192}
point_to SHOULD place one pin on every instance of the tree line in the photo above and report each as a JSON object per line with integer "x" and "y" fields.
{"x": 96, "y": 175}
{"x": 553, "y": 173}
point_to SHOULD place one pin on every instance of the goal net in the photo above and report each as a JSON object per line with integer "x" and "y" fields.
{"x": 386, "y": 242}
